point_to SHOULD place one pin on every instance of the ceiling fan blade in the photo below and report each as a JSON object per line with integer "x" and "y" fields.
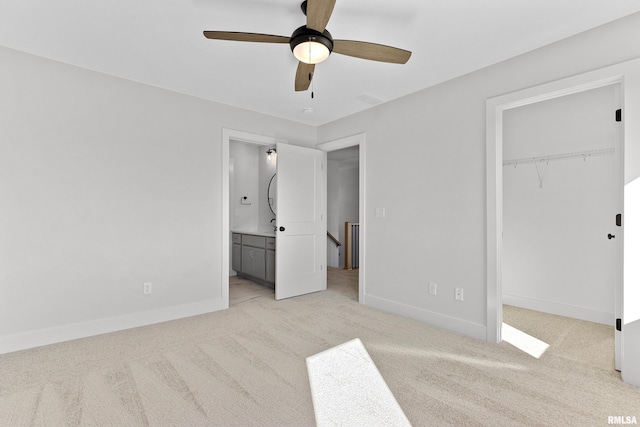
{"x": 304, "y": 76}
{"x": 245, "y": 37}
{"x": 318, "y": 13}
{"x": 371, "y": 51}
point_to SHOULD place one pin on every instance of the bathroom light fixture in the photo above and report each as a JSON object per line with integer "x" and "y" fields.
{"x": 271, "y": 152}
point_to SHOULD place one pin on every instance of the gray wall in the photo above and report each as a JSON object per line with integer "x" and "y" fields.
{"x": 426, "y": 165}
{"x": 333, "y": 210}
{"x": 343, "y": 200}
{"x": 250, "y": 172}
{"x": 244, "y": 181}
{"x": 106, "y": 184}
{"x": 348, "y": 200}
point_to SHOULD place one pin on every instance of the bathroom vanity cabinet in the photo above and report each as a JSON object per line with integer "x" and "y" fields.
{"x": 254, "y": 257}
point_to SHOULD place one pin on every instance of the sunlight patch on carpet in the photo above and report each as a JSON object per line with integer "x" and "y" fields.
{"x": 426, "y": 353}
{"x": 523, "y": 341}
{"x": 347, "y": 389}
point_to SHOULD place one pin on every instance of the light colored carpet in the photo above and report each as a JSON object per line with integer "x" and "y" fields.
{"x": 246, "y": 366}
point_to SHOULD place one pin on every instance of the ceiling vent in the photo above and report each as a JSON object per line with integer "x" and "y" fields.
{"x": 368, "y": 99}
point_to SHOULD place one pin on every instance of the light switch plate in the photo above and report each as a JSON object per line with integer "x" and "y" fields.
{"x": 433, "y": 288}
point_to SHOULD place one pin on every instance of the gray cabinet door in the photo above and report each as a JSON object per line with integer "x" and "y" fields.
{"x": 271, "y": 266}
{"x": 236, "y": 258}
{"x": 253, "y": 262}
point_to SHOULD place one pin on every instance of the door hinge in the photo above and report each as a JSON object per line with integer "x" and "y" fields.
{"x": 619, "y": 220}
{"x": 618, "y": 324}
{"x": 619, "y": 115}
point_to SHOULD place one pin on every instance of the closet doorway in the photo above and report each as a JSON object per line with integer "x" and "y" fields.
{"x": 626, "y": 229}
{"x": 562, "y": 189}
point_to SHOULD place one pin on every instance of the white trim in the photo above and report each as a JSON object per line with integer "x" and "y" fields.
{"x": 494, "y": 111}
{"x": 338, "y": 144}
{"x": 464, "y": 327}
{"x": 566, "y": 310}
{"x": 227, "y": 136}
{"x": 360, "y": 141}
{"x": 74, "y": 331}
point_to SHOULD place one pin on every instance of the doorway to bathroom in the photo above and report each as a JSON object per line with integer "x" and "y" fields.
{"x": 294, "y": 262}
{"x": 252, "y": 171}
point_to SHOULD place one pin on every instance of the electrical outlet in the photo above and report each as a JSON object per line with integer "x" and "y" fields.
{"x": 146, "y": 288}
{"x": 459, "y": 294}
{"x": 433, "y": 288}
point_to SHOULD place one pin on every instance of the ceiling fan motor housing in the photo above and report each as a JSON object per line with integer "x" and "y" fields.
{"x": 304, "y": 34}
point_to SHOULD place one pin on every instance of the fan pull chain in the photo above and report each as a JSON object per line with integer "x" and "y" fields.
{"x": 310, "y": 74}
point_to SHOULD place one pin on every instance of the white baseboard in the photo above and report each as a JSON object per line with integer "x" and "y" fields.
{"x": 566, "y": 310}
{"x": 31, "y": 339}
{"x": 454, "y": 324}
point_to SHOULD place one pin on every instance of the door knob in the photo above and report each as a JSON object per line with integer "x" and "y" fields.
{"x": 611, "y": 236}
{"x": 281, "y": 228}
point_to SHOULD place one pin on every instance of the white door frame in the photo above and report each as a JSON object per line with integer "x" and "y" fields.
{"x": 494, "y": 120}
{"x": 229, "y": 135}
{"x": 352, "y": 141}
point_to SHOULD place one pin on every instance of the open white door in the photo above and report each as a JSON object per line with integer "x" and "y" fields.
{"x": 301, "y": 221}
{"x": 616, "y": 225}
{"x": 631, "y": 289}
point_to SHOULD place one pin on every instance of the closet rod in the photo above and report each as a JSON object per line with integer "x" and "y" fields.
{"x": 546, "y": 159}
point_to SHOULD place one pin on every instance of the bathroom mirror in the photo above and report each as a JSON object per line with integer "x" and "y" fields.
{"x": 271, "y": 194}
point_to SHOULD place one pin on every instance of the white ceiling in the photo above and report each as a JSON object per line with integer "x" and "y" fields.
{"x": 161, "y": 43}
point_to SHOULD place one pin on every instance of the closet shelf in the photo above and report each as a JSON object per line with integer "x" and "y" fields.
{"x": 565, "y": 156}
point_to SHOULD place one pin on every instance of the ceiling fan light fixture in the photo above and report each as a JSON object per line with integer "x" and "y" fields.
{"x": 311, "y": 52}
{"x": 310, "y": 46}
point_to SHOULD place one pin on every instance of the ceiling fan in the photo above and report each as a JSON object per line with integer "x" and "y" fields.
{"x": 312, "y": 43}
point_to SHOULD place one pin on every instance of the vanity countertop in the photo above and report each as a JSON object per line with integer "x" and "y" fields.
{"x": 265, "y": 232}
